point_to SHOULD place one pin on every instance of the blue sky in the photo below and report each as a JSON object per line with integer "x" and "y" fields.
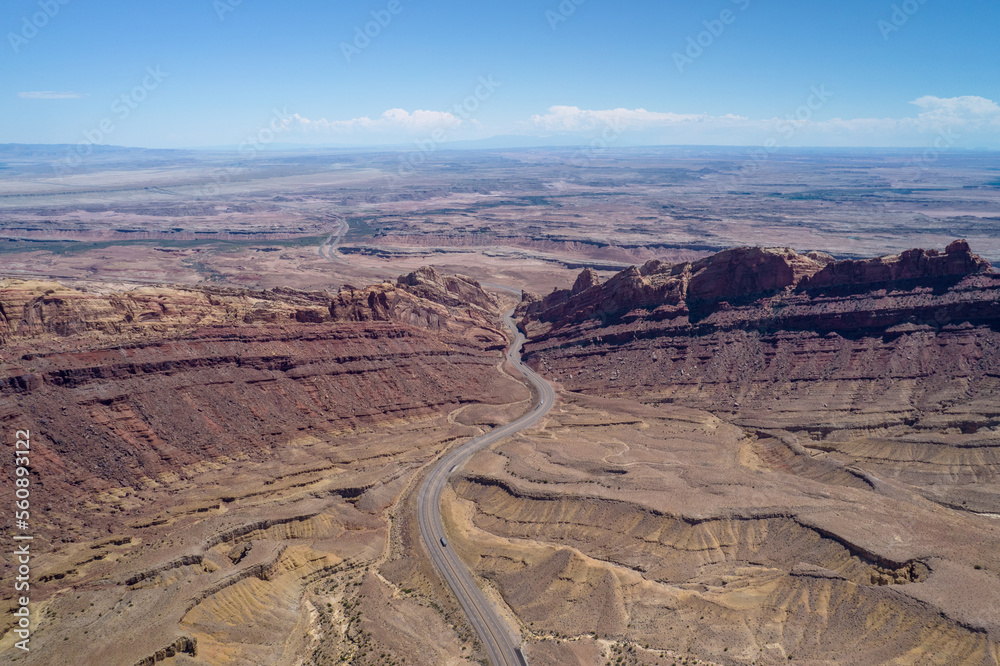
{"x": 192, "y": 73}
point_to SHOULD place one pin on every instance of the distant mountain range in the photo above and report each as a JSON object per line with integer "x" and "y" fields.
{"x": 505, "y": 142}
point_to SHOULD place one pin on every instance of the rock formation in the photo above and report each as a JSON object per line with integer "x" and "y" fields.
{"x": 904, "y": 348}
{"x": 204, "y": 459}
{"x": 743, "y": 276}
{"x": 757, "y": 457}
{"x": 126, "y": 385}
{"x": 761, "y": 456}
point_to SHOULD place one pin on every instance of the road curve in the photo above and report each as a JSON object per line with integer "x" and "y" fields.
{"x": 501, "y": 641}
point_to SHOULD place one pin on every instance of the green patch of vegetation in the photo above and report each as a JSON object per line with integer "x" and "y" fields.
{"x": 849, "y": 194}
{"x": 589, "y": 194}
{"x": 360, "y": 228}
{"x": 75, "y": 247}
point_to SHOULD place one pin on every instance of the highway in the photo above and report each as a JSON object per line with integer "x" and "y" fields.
{"x": 330, "y": 244}
{"x": 501, "y": 641}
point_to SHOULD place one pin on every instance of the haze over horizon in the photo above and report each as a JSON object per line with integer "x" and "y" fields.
{"x": 203, "y": 73}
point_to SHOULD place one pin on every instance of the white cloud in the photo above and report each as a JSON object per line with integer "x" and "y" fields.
{"x": 49, "y": 94}
{"x": 966, "y": 111}
{"x": 803, "y": 126}
{"x": 975, "y": 119}
{"x": 393, "y": 120}
{"x": 575, "y": 119}
{"x": 968, "y": 105}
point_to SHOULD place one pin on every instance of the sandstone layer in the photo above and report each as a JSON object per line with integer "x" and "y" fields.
{"x": 890, "y": 363}
{"x": 659, "y": 534}
{"x": 216, "y": 472}
{"x": 761, "y": 456}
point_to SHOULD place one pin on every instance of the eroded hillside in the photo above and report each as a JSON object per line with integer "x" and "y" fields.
{"x": 217, "y": 471}
{"x": 759, "y": 457}
{"x": 891, "y": 363}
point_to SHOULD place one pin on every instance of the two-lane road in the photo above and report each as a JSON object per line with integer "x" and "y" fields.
{"x": 328, "y": 248}
{"x": 502, "y": 642}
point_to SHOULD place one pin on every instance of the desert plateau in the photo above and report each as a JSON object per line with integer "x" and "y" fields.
{"x": 541, "y": 333}
{"x": 754, "y": 454}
